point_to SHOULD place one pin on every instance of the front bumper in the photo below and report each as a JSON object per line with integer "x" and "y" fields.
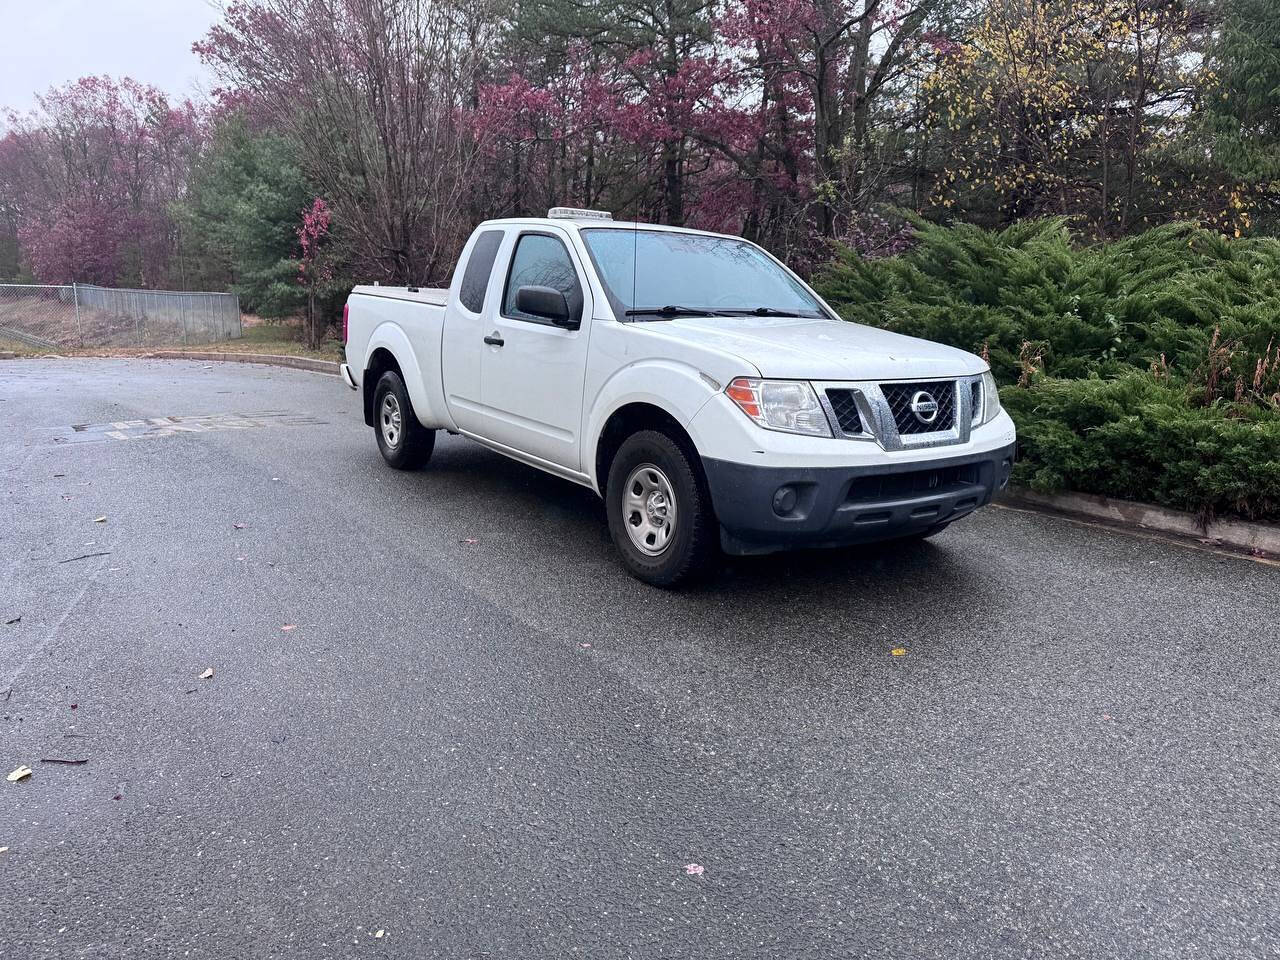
{"x": 762, "y": 509}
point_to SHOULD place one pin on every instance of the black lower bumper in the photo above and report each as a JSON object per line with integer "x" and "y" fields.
{"x": 763, "y": 509}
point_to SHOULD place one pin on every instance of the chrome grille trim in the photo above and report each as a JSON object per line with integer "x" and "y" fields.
{"x": 877, "y": 415}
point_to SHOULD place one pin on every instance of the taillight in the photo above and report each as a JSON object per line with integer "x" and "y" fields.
{"x": 346, "y": 313}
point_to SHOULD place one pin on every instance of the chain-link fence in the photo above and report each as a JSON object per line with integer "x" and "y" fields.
{"x": 87, "y": 316}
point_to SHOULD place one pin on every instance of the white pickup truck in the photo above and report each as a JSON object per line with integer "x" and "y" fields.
{"x": 701, "y": 388}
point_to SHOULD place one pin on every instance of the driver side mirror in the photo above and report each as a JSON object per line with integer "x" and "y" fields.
{"x": 549, "y": 303}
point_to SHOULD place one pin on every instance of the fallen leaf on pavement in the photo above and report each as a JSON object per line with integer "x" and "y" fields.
{"x": 70, "y": 763}
{"x": 694, "y": 869}
{"x": 20, "y": 774}
{"x": 99, "y": 519}
{"x": 899, "y": 651}
{"x": 17, "y": 619}
{"x": 207, "y": 675}
{"x": 585, "y": 646}
{"x": 238, "y": 526}
{"x": 469, "y": 540}
{"x": 4, "y": 849}
{"x": 380, "y": 934}
{"x": 117, "y": 797}
{"x": 289, "y": 626}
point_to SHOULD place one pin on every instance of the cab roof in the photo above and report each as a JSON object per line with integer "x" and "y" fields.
{"x": 595, "y": 223}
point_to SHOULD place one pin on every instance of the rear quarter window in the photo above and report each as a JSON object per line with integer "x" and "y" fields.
{"x": 475, "y": 280}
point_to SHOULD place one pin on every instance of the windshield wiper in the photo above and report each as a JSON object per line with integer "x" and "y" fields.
{"x": 672, "y": 310}
{"x": 761, "y": 312}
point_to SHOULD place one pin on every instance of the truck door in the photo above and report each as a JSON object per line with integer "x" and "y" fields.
{"x": 465, "y": 317}
{"x": 532, "y": 371}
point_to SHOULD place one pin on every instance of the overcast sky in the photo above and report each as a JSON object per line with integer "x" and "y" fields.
{"x": 44, "y": 43}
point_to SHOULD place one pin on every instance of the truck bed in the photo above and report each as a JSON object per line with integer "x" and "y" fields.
{"x": 438, "y": 296}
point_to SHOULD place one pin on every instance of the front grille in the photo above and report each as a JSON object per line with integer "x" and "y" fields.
{"x": 892, "y": 486}
{"x": 845, "y": 409}
{"x": 899, "y": 397}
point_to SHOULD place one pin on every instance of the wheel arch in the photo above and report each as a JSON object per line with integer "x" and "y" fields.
{"x": 648, "y": 394}
{"x": 393, "y": 350}
{"x": 380, "y": 361}
{"x": 632, "y": 418}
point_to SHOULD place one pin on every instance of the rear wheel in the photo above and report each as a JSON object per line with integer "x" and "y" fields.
{"x": 659, "y": 510}
{"x": 405, "y": 443}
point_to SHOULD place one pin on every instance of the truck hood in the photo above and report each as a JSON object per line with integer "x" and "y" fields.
{"x": 799, "y": 348}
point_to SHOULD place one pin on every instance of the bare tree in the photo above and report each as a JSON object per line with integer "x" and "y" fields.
{"x": 370, "y": 91}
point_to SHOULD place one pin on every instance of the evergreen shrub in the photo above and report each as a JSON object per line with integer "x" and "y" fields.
{"x": 1146, "y": 369}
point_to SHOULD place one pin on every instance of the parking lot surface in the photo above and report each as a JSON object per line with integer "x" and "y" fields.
{"x": 443, "y": 721}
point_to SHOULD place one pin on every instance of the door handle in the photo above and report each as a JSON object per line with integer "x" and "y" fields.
{"x": 494, "y": 339}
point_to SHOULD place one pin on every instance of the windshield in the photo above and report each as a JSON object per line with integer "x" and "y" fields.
{"x": 660, "y": 273}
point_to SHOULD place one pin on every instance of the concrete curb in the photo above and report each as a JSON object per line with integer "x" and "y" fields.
{"x": 1258, "y": 539}
{"x": 270, "y": 359}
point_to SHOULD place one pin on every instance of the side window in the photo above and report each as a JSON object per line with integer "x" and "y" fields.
{"x": 541, "y": 261}
{"x": 479, "y": 265}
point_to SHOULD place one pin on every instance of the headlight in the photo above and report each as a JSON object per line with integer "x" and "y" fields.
{"x": 990, "y": 398}
{"x": 787, "y": 405}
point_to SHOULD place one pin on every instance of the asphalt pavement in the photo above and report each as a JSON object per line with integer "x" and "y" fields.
{"x": 444, "y": 722}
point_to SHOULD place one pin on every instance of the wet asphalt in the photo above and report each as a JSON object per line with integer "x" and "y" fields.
{"x": 443, "y": 722}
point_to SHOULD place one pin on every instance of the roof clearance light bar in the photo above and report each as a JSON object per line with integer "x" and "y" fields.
{"x": 574, "y": 213}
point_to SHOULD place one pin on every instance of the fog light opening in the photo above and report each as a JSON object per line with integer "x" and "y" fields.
{"x": 784, "y": 500}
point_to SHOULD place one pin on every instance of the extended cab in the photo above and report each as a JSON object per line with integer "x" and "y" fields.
{"x": 701, "y": 388}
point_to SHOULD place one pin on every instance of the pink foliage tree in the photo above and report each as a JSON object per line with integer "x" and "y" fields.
{"x": 91, "y": 175}
{"x": 316, "y": 267}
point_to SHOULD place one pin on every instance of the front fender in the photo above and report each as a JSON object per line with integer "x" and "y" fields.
{"x": 676, "y": 388}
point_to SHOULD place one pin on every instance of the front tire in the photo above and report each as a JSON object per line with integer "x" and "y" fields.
{"x": 405, "y": 443}
{"x": 659, "y": 510}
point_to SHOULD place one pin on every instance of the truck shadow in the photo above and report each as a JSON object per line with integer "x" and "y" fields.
{"x": 568, "y": 522}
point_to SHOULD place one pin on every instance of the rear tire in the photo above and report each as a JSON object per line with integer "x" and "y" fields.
{"x": 660, "y": 512}
{"x": 405, "y": 443}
